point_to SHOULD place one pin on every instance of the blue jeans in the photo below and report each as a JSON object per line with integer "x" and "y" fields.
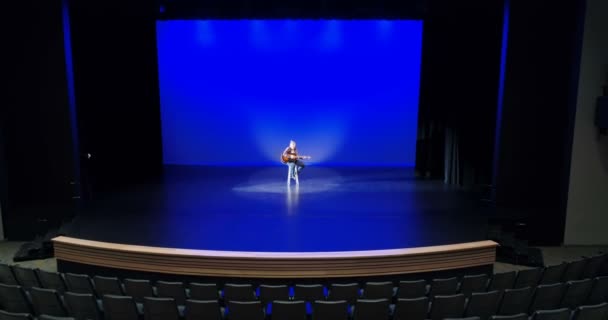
{"x": 294, "y": 167}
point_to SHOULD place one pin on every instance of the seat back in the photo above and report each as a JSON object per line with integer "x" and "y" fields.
{"x": 107, "y": 285}
{"x": 593, "y": 266}
{"x": 483, "y": 304}
{"x": 599, "y": 291}
{"x": 378, "y": 290}
{"x": 5, "y": 315}
{"x": 515, "y": 301}
{"x": 79, "y": 283}
{"x": 553, "y": 274}
{"x": 576, "y": 294}
{"x": 502, "y": 281}
{"x": 239, "y": 292}
{"x": 13, "y": 299}
{"x": 473, "y": 283}
{"x": 202, "y": 309}
{"x": 547, "y": 296}
{"x": 203, "y": 291}
{"x": 376, "y": 309}
{"x": 119, "y": 308}
{"x": 6, "y": 275}
{"x": 48, "y": 317}
{"x": 47, "y": 301}
{"x": 309, "y": 292}
{"x": 138, "y": 289}
{"x": 174, "y": 290}
{"x": 521, "y": 316}
{"x": 557, "y": 314}
{"x": 593, "y": 312}
{"x": 412, "y": 289}
{"x": 447, "y": 286}
{"x": 330, "y": 310}
{"x": 269, "y": 293}
{"x": 574, "y": 270}
{"x": 82, "y": 305}
{"x": 245, "y": 310}
{"x": 52, "y": 280}
{"x": 527, "y": 278}
{"x": 414, "y": 309}
{"x": 348, "y": 292}
{"x": 451, "y": 306}
{"x": 26, "y": 277}
{"x": 289, "y": 310}
{"x": 160, "y": 309}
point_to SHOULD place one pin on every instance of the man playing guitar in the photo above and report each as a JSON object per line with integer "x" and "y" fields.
{"x": 291, "y": 158}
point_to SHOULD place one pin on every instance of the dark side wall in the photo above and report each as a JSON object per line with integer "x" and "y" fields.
{"x": 587, "y": 215}
{"x": 459, "y": 86}
{"x": 115, "y": 67}
{"x": 532, "y": 166}
{"x": 35, "y": 127}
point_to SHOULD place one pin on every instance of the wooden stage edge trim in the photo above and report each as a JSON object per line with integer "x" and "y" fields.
{"x": 247, "y": 264}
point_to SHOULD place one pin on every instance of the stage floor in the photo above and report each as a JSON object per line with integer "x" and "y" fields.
{"x": 252, "y": 209}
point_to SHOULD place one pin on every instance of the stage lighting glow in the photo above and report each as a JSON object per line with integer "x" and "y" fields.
{"x": 234, "y": 92}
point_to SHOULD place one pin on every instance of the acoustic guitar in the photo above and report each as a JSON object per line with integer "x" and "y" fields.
{"x": 285, "y": 158}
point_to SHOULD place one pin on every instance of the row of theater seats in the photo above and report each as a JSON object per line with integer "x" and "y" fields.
{"x": 84, "y": 306}
{"x": 480, "y": 295}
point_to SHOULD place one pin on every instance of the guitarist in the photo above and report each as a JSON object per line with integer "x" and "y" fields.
{"x": 294, "y": 163}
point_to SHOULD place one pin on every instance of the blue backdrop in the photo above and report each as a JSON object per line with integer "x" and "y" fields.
{"x": 234, "y": 92}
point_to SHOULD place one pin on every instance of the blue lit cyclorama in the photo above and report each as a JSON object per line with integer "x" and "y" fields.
{"x": 234, "y": 92}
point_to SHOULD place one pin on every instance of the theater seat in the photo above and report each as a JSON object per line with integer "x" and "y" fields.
{"x": 515, "y": 301}
{"x": 13, "y": 299}
{"x": 444, "y": 286}
{"x": 79, "y": 283}
{"x": 447, "y": 307}
{"x": 26, "y": 277}
{"x": 289, "y": 310}
{"x": 378, "y": 290}
{"x": 239, "y": 292}
{"x": 412, "y": 289}
{"x": 547, "y": 297}
{"x": 330, "y": 310}
{"x": 528, "y": 278}
{"x": 82, "y": 305}
{"x": 6, "y": 275}
{"x": 557, "y": 314}
{"x": 174, "y": 290}
{"x": 52, "y": 280}
{"x": 521, "y": 316}
{"x": 593, "y": 312}
{"x": 576, "y": 294}
{"x": 411, "y": 309}
{"x": 270, "y": 293}
{"x": 202, "y": 309}
{"x": 47, "y": 301}
{"x": 119, "y": 308}
{"x": 553, "y": 274}
{"x": 483, "y": 304}
{"x": 473, "y": 283}
{"x": 5, "y": 315}
{"x": 107, "y": 285}
{"x": 344, "y": 291}
{"x": 245, "y": 310}
{"x": 160, "y": 309}
{"x": 376, "y": 309}
{"x": 138, "y": 289}
{"x": 203, "y": 291}
{"x": 502, "y": 281}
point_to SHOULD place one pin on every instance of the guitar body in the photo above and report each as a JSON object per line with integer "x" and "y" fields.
{"x": 285, "y": 158}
